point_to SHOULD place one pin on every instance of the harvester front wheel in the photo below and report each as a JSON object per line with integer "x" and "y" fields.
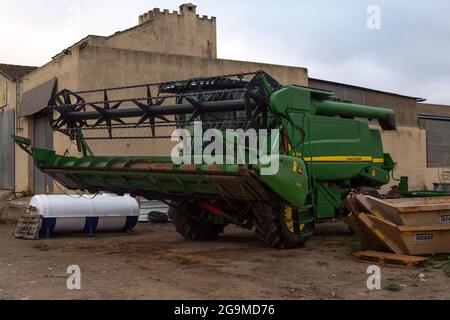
{"x": 278, "y": 227}
{"x": 187, "y": 220}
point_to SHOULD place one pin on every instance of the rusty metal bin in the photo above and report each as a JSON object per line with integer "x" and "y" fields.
{"x": 406, "y": 240}
{"x": 413, "y": 211}
{"x": 409, "y": 226}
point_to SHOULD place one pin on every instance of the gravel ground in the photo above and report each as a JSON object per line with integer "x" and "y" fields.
{"x": 156, "y": 263}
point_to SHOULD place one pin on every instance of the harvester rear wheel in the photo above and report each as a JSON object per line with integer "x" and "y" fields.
{"x": 187, "y": 220}
{"x": 278, "y": 231}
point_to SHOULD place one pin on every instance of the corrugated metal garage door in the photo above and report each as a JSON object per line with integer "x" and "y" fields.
{"x": 43, "y": 138}
{"x": 438, "y": 142}
{"x": 6, "y": 150}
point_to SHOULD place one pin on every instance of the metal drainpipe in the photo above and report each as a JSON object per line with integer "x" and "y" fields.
{"x": 18, "y": 128}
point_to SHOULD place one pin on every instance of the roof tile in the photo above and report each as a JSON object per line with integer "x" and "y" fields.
{"x": 14, "y": 72}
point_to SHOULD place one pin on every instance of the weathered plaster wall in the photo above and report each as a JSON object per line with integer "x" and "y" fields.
{"x": 171, "y": 33}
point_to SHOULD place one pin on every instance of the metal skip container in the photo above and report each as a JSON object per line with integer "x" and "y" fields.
{"x": 105, "y": 212}
{"x": 408, "y": 226}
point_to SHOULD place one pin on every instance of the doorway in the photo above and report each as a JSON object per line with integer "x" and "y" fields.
{"x": 43, "y": 138}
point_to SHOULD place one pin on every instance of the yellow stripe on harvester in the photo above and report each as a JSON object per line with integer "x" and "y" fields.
{"x": 344, "y": 159}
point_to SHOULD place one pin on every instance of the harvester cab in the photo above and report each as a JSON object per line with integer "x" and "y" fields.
{"x": 251, "y": 152}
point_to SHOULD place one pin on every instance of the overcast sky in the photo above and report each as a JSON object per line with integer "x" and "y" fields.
{"x": 409, "y": 55}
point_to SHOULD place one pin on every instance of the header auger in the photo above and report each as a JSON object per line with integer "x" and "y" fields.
{"x": 325, "y": 151}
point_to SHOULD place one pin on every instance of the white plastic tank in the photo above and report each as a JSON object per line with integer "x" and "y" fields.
{"x": 104, "y": 212}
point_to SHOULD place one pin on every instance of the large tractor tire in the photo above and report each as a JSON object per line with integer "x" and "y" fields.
{"x": 277, "y": 228}
{"x": 187, "y": 220}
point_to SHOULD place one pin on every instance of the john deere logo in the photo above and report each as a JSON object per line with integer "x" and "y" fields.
{"x": 355, "y": 159}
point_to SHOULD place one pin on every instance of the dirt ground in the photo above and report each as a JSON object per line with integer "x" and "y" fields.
{"x": 156, "y": 263}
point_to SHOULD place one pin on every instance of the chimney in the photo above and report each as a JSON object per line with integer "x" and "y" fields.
{"x": 188, "y": 8}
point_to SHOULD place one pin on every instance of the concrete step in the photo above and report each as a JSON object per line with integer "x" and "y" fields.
{"x": 11, "y": 211}
{"x": 6, "y": 195}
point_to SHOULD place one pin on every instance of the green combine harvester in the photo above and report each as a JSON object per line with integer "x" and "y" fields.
{"x": 327, "y": 149}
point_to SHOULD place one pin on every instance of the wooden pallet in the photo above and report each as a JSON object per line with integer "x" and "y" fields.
{"x": 391, "y": 258}
{"x": 28, "y": 227}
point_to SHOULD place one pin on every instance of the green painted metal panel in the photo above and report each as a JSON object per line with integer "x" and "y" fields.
{"x": 291, "y": 183}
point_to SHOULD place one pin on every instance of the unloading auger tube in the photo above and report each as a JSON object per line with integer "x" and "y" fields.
{"x": 326, "y": 151}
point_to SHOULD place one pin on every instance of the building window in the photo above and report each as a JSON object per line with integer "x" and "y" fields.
{"x": 438, "y": 142}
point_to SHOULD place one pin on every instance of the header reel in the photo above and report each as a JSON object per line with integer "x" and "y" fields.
{"x": 230, "y": 101}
